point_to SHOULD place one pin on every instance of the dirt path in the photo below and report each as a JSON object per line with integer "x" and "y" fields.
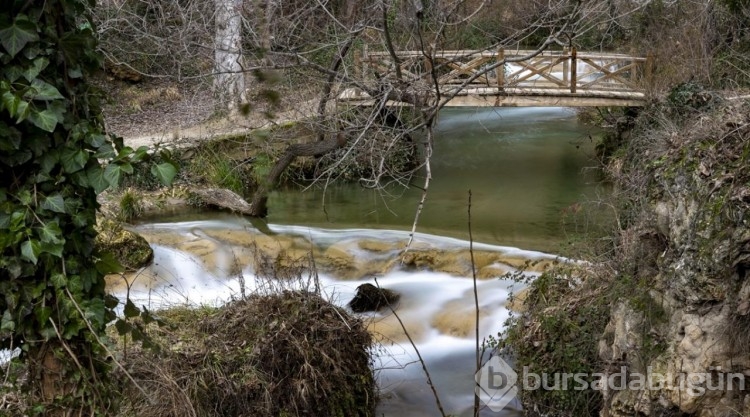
{"x": 180, "y": 137}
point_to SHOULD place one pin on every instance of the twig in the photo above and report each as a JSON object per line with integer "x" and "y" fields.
{"x": 428, "y": 177}
{"x": 421, "y": 361}
{"x": 477, "y": 352}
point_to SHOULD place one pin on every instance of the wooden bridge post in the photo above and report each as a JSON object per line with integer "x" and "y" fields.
{"x": 500, "y": 70}
{"x": 566, "y": 66}
{"x": 573, "y": 70}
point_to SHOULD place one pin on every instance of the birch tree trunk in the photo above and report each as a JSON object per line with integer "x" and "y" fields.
{"x": 229, "y": 78}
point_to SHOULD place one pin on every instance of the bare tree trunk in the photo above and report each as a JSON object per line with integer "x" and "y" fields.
{"x": 229, "y": 79}
{"x": 260, "y": 197}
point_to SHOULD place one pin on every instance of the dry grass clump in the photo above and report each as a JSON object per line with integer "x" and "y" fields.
{"x": 284, "y": 354}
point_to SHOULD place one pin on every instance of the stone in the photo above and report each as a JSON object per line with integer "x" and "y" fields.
{"x": 129, "y": 248}
{"x": 372, "y": 298}
{"x": 221, "y": 198}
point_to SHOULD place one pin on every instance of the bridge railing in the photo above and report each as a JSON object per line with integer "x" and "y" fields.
{"x": 568, "y": 69}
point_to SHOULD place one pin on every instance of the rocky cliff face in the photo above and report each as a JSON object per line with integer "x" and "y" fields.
{"x": 689, "y": 239}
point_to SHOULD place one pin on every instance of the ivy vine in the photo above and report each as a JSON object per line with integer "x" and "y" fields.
{"x": 55, "y": 158}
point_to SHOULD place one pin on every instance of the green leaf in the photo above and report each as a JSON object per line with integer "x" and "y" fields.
{"x": 10, "y": 102}
{"x": 22, "y": 112}
{"x": 45, "y": 120}
{"x": 17, "y": 221}
{"x": 15, "y": 37}
{"x": 126, "y": 168}
{"x": 123, "y": 327}
{"x": 105, "y": 151}
{"x": 43, "y": 314}
{"x": 80, "y": 219}
{"x": 24, "y": 196}
{"x": 137, "y": 335}
{"x": 41, "y": 90}
{"x": 73, "y": 159}
{"x": 48, "y": 333}
{"x": 140, "y": 154}
{"x": 125, "y": 152}
{"x": 148, "y": 317}
{"x": 13, "y": 73}
{"x": 112, "y": 174}
{"x": 30, "y": 250}
{"x": 96, "y": 178}
{"x": 32, "y": 72}
{"x": 7, "y": 324}
{"x": 54, "y": 202}
{"x": 94, "y": 310}
{"x": 96, "y": 140}
{"x": 58, "y": 280}
{"x": 55, "y": 249}
{"x": 131, "y": 310}
{"x": 58, "y": 109}
{"x": 51, "y": 232}
{"x": 108, "y": 264}
{"x": 110, "y": 301}
{"x": 164, "y": 172}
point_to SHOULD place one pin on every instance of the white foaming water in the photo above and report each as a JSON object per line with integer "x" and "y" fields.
{"x": 177, "y": 278}
{"x": 427, "y": 298}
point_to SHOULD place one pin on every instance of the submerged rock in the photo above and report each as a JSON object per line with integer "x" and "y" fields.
{"x": 372, "y": 298}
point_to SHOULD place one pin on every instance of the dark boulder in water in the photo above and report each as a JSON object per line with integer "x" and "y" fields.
{"x": 372, "y": 298}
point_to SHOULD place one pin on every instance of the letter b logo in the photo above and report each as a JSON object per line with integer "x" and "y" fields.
{"x": 496, "y": 384}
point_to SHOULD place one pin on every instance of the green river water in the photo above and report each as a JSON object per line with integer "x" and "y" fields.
{"x": 526, "y": 168}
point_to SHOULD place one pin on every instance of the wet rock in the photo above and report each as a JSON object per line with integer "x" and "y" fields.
{"x": 372, "y": 298}
{"x": 380, "y": 246}
{"x": 220, "y": 198}
{"x": 132, "y": 250}
{"x": 457, "y": 319}
{"x": 388, "y": 329}
{"x": 438, "y": 261}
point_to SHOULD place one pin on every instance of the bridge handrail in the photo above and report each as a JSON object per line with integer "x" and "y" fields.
{"x": 552, "y": 69}
{"x": 508, "y": 52}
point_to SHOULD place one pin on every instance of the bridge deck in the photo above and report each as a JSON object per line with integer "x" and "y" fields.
{"x": 508, "y": 79}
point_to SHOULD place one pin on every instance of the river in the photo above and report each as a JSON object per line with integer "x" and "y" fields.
{"x": 526, "y": 169}
{"x": 524, "y": 166}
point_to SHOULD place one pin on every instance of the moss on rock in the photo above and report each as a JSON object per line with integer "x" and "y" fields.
{"x": 132, "y": 250}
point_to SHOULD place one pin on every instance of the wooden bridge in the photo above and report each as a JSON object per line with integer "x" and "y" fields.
{"x": 565, "y": 78}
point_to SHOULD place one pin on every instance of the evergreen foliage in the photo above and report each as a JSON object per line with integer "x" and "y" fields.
{"x": 54, "y": 159}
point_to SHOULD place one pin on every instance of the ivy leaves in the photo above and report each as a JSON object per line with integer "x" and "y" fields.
{"x": 55, "y": 157}
{"x": 22, "y": 93}
{"x": 15, "y": 37}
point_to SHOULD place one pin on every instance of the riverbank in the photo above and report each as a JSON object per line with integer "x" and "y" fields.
{"x": 268, "y": 354}
{"x": 668, "y": 300}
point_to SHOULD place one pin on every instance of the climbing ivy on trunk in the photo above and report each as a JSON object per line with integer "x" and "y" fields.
{"x": 55, "y": 158}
